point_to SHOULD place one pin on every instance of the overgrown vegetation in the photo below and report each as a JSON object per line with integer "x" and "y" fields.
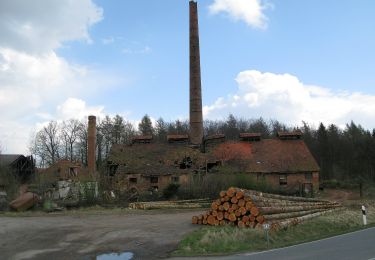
{"x": 209, "y": 185}
{"x": 171, "y": 190}
{"x": 223, "y": 240}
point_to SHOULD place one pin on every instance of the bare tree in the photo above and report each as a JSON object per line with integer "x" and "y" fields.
{"x": 82, "y": 136}
{"x": 47, "y": 144}
{"x": 69, "y": 133}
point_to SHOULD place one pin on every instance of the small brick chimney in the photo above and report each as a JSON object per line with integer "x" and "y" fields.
{"x": 196, "y": 116}
{"x": 91, "y": 146}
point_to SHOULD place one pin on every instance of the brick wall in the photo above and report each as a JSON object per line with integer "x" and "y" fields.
{"x": 291, "y": 182}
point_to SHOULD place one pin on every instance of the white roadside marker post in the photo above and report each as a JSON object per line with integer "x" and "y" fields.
{"x": 364, "y": 215}
{"x": 266, "y": 228}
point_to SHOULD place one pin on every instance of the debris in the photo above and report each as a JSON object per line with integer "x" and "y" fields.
{"x": 24, "y": 202}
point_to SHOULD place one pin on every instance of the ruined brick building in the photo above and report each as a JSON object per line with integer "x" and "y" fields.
{"x": 22, "y": 167}
{"x": 284, "y": 162}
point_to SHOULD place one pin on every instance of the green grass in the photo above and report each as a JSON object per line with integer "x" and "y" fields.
{"x": 227, "y": 240}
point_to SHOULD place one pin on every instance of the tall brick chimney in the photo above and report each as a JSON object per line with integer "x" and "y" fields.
{"x": 91, "y": 145}
{"x": 196, "y": 117}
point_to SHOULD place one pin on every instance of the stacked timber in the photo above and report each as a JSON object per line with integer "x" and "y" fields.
{"x": 248, "y": 208}
{"x": 176, "y": 204}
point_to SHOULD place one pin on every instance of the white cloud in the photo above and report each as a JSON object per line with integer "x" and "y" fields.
{"x": 109, "y": 40}
{"x": 144, "y": 50}
{"x": 286, "y": 98}
{"x": 33, "y": 78}
{"x": 38, "y": 26}
{"x": 77, "y": 108}
{"x": 249, "y": 11}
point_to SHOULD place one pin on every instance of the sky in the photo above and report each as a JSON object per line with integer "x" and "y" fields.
{"x": 292, "y": 60}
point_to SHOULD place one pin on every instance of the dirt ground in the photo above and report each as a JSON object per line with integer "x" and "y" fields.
{"x": 148, "y": 234}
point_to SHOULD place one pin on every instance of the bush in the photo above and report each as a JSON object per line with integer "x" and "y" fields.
{"x": 209, "y": 185}
{"x": 171, "y": 190}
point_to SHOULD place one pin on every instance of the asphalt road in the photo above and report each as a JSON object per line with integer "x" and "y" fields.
{"x": 353, "y": 246}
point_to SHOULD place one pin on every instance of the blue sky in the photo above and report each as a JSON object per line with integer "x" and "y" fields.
{"x": 287, "y": 60}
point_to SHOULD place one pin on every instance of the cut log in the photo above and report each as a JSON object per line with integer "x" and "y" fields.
{"x": 288, "y": 215}
{"x": 249, "y": 205}
{"x": 194, "y": 220}
{"x": 232, "y": 217}
{"x": 294, "y": 221}
{"x": 226, "y": 205}
{"x": 254, "y": 211}
{"x": 223, "y": 193}
{"x": 241, "y": 203}
{"x": 260, "y": 219}
{"x": 243, "y": 210}
{"x": 231, "y": 192}
{"x": 211, "y": 220}
{"x": 234, "y": 206}
{"x": 286, "y": 209}
{"x": 239, "y": 194}
{"x": 220, "y": 215}
{"x": 241, "y": 224}
{"x": 234, "y": 200}
{"x": 280, "y": 197}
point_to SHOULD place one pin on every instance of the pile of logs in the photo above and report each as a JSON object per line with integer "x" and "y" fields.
{"x": 248, "y": 208}
{"x": 176, "y": 204}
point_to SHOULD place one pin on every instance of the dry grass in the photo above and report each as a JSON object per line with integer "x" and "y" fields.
{"x": 225, "y": 240}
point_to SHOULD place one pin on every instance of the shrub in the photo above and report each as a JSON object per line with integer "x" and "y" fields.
{"x": 171, "y": 190}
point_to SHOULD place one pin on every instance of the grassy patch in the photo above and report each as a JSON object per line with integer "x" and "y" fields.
{"x": 226, "y": 240}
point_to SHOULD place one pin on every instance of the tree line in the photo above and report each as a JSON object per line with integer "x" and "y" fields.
{"x": 342, "y": 153}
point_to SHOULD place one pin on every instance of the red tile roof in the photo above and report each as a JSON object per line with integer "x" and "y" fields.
{"x": 274, "y": 155}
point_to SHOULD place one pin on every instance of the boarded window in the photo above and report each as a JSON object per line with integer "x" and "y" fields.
{"x": 308, "y": 177}
{"x": 154, "y": 179}
{"x": 133, "y": 180}
{"x": 175, "y": 179}
{"x": 283, "y": 179}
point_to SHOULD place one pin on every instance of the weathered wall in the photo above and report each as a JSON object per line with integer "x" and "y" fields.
{"x": 294, "y": 180}
{"x": 125, "y": 182}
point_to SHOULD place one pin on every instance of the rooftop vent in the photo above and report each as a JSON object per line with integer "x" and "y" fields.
{"x": 142, "y": 139}
{"x": 177, "y": 138}
{"x": 295, "y": 135}
{"x": 250, "y": 137}
{"x": 217, "y": 137}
